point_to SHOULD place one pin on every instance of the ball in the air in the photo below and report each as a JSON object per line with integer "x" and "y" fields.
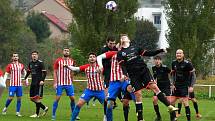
{"x": 111, "y": 5}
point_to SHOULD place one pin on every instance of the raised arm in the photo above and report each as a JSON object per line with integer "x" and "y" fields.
{"x": 73, "y": 68}
{"x": 152, "y": 52}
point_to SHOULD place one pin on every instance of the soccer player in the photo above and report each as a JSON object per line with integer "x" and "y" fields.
{"x": 161, "y": 75}
{"x": 182, "y": 80}
{"x": 132, "y": 65}
{"x": 38, "y": 73}
{"x": 110, "y": 46}
{"x": 63, "y": 78}
{"x": 192, "y": 98}
{"x": 95, "y": 86}
{"x": 15, "y": 69}
{"x": 117, "y": 85}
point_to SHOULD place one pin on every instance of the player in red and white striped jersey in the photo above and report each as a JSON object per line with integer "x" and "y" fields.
{"x": 95, "y": 86}
{"x": 15, "y": 70}
{"x": 63, "y": 78}
{"x": 117, "y": 84}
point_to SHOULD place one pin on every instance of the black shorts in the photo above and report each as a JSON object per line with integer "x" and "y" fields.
{"x": 140, "y": 78}
{"x": 181, "y": 92}
{"x": 36, "y": 91}
{"x": 191, "y": 95}
{"x": 165, "y": 91}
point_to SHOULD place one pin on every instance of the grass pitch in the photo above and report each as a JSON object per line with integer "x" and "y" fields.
{"x": 95, "y": 113}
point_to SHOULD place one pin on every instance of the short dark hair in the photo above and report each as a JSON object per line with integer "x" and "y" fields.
{"x": 65, "y": 48}
{"x": 34, "y": 52}
{"x": 157, "y": 57}
{"x": 110, "y": 38}
{"x": 91, "y": 53}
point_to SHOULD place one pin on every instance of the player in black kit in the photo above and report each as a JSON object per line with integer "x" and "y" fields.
{"x": 129, "y": 58}
{"x": 161, "y": 75}
{"x": 192, "y": 98}
{"x": 37, "y": 70}
{"x": 182, "y": 80}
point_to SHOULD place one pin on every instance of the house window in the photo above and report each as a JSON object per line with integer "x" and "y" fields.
{"x": 157, "y": 19}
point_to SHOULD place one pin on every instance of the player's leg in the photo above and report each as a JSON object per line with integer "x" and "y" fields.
{"x": 59, "y": 90}
{"x": 195, "y": 104}
{"x": 40, "y": 104}
{"x": 70, "y": 93}
{"x": 179, "y": 107}
{"x": 18, "y": 104}
{"x": 113, "y": 91}
{"x": 126, "y": 96}
{"x": 85, "y": 97}
{"x": 126, "y": 108}
{"x": 156, "y": 108}
{"x": 185, "y": 101}
{"x": 106, "y": 82}
{"x": 172, "y": 100}
{"x": 12, "y": 90}
{"x": 161, "y": 96}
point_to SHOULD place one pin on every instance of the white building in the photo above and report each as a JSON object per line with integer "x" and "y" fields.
{"x": 153, "y": 11}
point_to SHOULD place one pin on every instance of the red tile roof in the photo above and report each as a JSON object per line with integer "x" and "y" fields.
{"x": 56, "y": 21}
{"x": 63, "y": 3}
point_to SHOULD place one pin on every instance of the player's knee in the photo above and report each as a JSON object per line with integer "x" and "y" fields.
{"x": 72, "y": 98}
{"x": 125, "y": 102}
{"x": 110, "y": 103}
{"x": 185, "y": 102}
{"x": 10, "y": 98}
{"x": 155, "y": 100}
{"x": 129, "y": 88}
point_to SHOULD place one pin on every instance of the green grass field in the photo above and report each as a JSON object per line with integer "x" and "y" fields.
{"x": 96, "y": 113}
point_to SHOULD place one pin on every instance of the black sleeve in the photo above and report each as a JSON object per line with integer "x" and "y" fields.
{"x": 173, "y": 74}
{"x": 193, "y": 79}
{"x": 43, "y": 71}
{"x": 191, "y": 74}
{"x": 121, "y": 61}
{"x": 168, "y": 70}
{"x": 28, "y": 72}
{"x": 104, "y": 49}
{"x": 151, "y": 53}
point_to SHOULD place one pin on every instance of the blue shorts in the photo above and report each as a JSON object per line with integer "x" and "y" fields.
{"x": 115, "y": 88}
{"x": 69, "y": 90}
{"x": 15, "y": 89}
{"x": 88, "y": 94}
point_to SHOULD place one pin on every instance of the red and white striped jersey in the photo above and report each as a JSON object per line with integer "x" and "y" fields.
{"x": 64, "y": 75}
{"x": 15, "y": 70}
{"x": 116, "y": 71}
{"x": 94, "y": 81}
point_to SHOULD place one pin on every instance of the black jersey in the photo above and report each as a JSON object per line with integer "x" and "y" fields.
{"x": 107, "y": 63}
{"x": 161, "y": 74}
{"x": 182, "y": 73}
{"x": 130, "y": 58}
{"x": 36, "y": 69}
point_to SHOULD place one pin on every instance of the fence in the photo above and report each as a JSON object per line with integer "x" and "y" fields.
{"x": 196, "y": 85}
{"x": 209, "y": 88}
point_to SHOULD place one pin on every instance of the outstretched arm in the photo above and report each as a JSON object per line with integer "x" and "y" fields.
{"x": 73, "y": 68}
{"x": 152, "y": 52}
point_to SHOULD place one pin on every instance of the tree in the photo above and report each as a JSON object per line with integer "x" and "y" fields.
{"x": 14, "y": 34}
{"x": 93, "y": 23}
{"x": 146, "y": 35}
{"x": 191, "y": 28}
{"x": 39, "y": 25}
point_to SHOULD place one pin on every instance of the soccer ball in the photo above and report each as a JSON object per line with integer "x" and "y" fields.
{"x": 111, "y": 5}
